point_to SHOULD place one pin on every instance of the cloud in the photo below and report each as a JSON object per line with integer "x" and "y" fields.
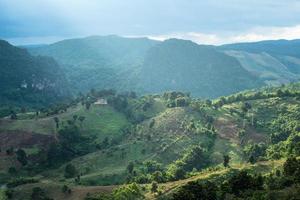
{"x": 253, "y": 35}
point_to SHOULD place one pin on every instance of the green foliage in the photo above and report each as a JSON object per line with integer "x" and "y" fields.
{"x": 197, "y": 190}
{"x": 66, "y": 189}
{"x": 128, "y": 192}
{"x": 196, "y": 158}
{"x": 39, "y": 194}
{"x": 21, "y": 181}
{"x": 70, "y": 171}
{"x": 253, "y": 152}
{"x": 21, "y": 156}
{"x": 226, "y": 159}
{"x": 152, "y": 166}
{"x": 130, "y": 167}
{"x": 154, "y": 187}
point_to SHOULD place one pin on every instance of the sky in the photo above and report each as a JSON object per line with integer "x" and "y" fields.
{"x": 202, "y": 21}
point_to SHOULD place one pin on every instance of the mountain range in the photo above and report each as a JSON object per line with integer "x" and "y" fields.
{"x": 147, "y": 66}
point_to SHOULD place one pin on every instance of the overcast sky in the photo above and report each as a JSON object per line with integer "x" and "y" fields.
{"x": 203, "y": 21}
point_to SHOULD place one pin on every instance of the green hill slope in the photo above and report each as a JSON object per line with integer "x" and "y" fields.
{"x": 185, "y": 66}
{"x": 170, "y": 139}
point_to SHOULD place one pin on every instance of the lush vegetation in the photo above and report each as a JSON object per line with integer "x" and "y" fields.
{"x": 157, "y": 145}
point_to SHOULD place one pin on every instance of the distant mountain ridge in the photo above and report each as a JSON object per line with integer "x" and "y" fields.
{"x": 274, "y": 61}
{"x": 275, "y": 47}
{"x": 200, "y": 69}
{"x": 148, "y": 66}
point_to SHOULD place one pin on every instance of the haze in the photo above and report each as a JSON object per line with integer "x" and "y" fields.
{"x": 208, "y": 22}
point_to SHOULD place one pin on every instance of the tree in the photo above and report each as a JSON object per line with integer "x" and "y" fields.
{"x": 197, "y": 190}
{"x": 158, "y": 177}
{"x": 130, "y": 167}
{"x": 12, "y": 171}
{"x": 154, "y": 187}
{"x": 128, "y": 192}
{"x": 13, "y": 115}
{"x": 181, "y": 102}
{"x": 81, "y": 119}
{"x": 56, "y": 120}
{"x": 243, "y": 181}
{"x": 21, "y": 156}
{"x": 290, "y": 166}
{"x": 75, "y": 117}
{"x": 252, "y": 160}
{"x": 87, "y": 105}
{"x": 226, "y": 159}
{"x": 38, "y": 194}
{"x": 152, "y": 166}
{"x": 70, "y": 171}
{"x": 195, "y": 158}
{"x": 246, "y": 106}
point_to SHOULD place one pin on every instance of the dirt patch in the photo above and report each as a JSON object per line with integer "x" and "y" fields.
{"x": 22, "y": 139}
{"x": 226, "y": 129}
{"x": 254, "y": 136}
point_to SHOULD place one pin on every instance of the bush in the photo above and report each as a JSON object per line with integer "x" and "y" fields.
{"x": 70, "y": 171}
{"x": 39, "y": 194}
{"x": 197, "y": 190}
{"x": 128, "y": 192}
{"x": 21, "y": 181}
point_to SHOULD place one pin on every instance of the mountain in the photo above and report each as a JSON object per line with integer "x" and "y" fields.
{"x": 148, "y": 66}
{"x": 275, "y": 62}
{"x": 97, "y": 61}
{"x": 274, "y": 47}
{"x": 29, "y": 80}
{"x": 202, "y": 70}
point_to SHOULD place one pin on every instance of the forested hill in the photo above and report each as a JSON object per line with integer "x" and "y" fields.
{"x": 100, "y": 51}
{"x": 98, "y": 61}
{"x": 29, "y": 80}
{"x": 202, "y": 70}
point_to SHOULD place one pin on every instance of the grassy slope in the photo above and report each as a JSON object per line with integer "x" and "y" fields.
{"x": 100, "y": 120}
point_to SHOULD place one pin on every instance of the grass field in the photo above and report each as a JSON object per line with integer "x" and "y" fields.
{"x": 101, "y": 121}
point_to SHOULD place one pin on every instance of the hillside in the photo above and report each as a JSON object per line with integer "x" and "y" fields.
{"x": 275, "y": 62}
{"x": 27, "y": 80}
{"x": 202, "y": 70}
{"x": 163, "y": 138}
{"x": 97, "y": 61}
